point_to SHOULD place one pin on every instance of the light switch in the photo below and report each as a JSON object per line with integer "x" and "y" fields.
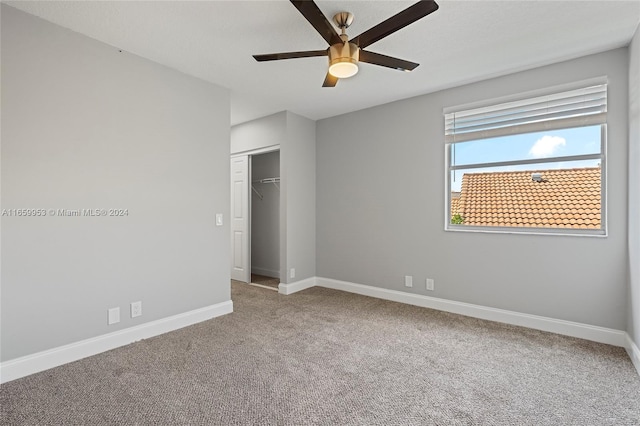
{"x": 408, "y": 281}
{"x": 114, "y": 316}
{"x": 219, "y": 219}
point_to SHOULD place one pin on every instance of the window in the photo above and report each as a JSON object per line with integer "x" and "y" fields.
{"x": 534, "y": 164}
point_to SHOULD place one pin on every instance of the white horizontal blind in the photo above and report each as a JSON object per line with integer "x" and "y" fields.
{"x": 574, "y": 108}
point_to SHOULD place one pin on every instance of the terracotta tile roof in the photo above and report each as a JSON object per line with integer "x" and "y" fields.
{"x": 564, "y": 198}
{"x": 455, "y": 203}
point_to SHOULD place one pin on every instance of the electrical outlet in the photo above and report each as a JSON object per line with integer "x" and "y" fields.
{"x": 430, "y": 284}
{"x": 292, "y": 273}
{"x": 136, "y": 309}
{"x": 408, "y": 281}
{"x": 113, "y": 316}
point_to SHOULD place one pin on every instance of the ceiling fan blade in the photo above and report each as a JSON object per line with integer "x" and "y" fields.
{"x": 289, "y": 55}
{"x": 316, "y": 18}
{"x": 386, "y": 61}
{"x": 395, "y": 23}
{"x": 330, "y": 81}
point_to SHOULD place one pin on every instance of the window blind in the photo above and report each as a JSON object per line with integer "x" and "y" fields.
{"x": 574, "y": 108}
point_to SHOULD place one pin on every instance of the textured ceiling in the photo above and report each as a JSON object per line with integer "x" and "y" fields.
{"x": 462, "y": 42}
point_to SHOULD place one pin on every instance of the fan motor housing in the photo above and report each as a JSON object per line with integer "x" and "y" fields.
{"x": 343, "y": 59}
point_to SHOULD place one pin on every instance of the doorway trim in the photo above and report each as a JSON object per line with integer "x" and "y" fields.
{"x": 257, "y": 151}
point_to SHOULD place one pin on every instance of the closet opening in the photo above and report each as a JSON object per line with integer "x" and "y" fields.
{"x": 265, "y": 220}
{"x": 255, "y": 218}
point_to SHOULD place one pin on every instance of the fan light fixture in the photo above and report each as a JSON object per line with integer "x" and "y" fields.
{"x": 345, "y": 54}
{"x": 343, "y": 60}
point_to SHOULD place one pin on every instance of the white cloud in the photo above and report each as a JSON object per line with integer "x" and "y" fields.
{"x": 546, "y": 146}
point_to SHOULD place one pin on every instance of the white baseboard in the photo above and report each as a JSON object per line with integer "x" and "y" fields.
{"x": 634, "y": 353}
{"x": 264, "y": 271}
{"x": 291, "y": 288}
{"x": 30, "y": 364}
{"x": 567, "y": 328}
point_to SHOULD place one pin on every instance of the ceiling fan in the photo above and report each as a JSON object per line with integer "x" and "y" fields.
{"x": 344, "y": 54}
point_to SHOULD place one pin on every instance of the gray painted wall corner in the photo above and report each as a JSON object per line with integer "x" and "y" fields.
{"x": 299, "y": 162}
{"x": 85, "y": 126}
{"x": 633, "y": 326}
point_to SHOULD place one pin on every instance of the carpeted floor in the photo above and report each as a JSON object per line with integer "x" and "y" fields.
{"x": 264, "y": 280}
{"x": 332, "y": 358}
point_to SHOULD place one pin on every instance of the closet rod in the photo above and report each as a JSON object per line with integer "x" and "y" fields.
{"x": 274, "y": 180}
{"x": 268, "y": 180}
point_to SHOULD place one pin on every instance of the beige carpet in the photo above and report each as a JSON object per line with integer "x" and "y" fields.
{"x": 264, "y": 280}
{"x": 324, "y": 357}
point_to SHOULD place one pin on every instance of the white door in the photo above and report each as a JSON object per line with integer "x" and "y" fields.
{"x": 240, "y": 261}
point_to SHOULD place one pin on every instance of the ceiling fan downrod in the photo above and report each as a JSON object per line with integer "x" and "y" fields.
{"x": 343, "y": 57}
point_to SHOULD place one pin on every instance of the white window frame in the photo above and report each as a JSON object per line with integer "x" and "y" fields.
{"x": 592, "y": 120}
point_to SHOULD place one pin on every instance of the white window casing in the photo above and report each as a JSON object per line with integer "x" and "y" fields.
{"x": 576, "y": 105}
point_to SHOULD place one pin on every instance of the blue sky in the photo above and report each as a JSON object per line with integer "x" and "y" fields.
{"x": 554, "y": 143}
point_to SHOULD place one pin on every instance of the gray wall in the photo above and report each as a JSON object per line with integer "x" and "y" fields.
{"x": 380, "y": 209}
{"x": 85, "y": 126}
{"x": 298, "y": 166}
{"x": 265, "y": 216}
{"x": 634, "y": 189}
{"x": 260, "y": 133}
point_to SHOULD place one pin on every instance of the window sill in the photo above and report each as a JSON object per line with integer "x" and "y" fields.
{"x": 565, "y": 232}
